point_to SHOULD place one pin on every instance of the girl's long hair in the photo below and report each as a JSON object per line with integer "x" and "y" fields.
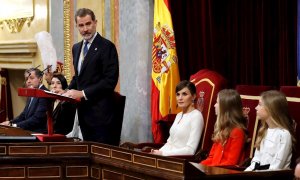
{"x": 230, "y": 115}
{"x": 276, "y": 105}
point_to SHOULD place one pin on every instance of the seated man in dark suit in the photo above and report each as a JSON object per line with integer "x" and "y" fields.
{"x": 33, "y": 117}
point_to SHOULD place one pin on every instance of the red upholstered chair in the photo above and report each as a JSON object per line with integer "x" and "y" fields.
{"x": 250, "y": 96}
{"x": 208, "y": 84}
{"x": 293, "y": 96}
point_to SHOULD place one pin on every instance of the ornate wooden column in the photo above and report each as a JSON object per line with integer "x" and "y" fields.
{"x": 68, "y": 38}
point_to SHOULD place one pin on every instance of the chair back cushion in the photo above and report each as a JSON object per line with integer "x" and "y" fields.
{"x": 208, "y": 84}
{"x": 250, "y": 96}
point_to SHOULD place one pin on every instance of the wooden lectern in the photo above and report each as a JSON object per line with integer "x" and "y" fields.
{"x": 31, "y": 92}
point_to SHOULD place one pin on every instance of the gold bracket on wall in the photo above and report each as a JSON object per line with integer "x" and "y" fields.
{"x": 15, "y": 25}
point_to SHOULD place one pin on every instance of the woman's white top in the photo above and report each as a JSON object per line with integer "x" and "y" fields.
{"x": 185, "y": 134}
{"x": 275, "y": 149}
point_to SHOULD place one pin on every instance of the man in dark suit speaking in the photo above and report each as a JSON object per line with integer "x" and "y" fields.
{"x": 33, "y": 117}
{"x": 95, "y": 61}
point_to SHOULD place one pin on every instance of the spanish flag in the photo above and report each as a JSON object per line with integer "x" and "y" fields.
{"x": 165, "y": 74}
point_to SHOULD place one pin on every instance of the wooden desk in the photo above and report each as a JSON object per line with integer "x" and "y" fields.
{"x": 10, "y": 134}
{"x": 88, "y": 160}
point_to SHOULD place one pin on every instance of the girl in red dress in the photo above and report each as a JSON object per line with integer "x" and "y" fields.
{"x": 229, "y": 132}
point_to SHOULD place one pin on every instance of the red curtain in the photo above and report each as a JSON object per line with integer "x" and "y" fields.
{"x": 248, "y": 42}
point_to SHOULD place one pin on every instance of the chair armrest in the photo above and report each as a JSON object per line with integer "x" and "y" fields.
{"x": 128, "y": 145}
{"x": 153, "y": 145}
{"x": 200, "y": 155}
{"x": 197, "y": 157}
{"x": 144, "y": 147}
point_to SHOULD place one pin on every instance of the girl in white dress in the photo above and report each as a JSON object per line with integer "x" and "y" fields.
{"x": 275, "y": 139}
{"x": 188, "y": 125}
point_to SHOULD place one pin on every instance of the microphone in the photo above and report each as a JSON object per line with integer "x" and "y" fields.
{"x": 29, "y": 72}
{"x": 47, "y": 68}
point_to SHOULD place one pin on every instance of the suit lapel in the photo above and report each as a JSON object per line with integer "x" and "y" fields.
{"x": 93, "y": 50}
{"x": 76, "y": 56}
{"x": 27, "y": 107}
{"x": 31, "y": 105}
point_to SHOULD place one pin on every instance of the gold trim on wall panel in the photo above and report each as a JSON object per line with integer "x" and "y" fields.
{"x": 67, "y": 38}
{"x": 116, "y": 24}
{"x": 112, "y": 20}
{"x": 48, "y": 16}
{"x": 103, "y": 17}
{"x": 18, "y": 47}
{"x": 115, "y": 30}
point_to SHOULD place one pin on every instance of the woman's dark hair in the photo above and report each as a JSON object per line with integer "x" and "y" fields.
{"x": 62, "y": 80}
{"x": 191, "y": 86}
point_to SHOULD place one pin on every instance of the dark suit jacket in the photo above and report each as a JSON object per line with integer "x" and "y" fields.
{"x": 34, "y": 118}
{"x": 63, "y": 117}
{"x": 98, "y": 78}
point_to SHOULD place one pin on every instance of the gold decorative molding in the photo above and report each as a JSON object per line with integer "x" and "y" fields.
{"x": 18, "y": 47}
{"x": 17, "y": 54}
{"x": 15, "y": 25}
{"x": 103, "y": 17}
{"x": 15, "y": 13}
{"x": 67, "y": 40}
{"x": 112, "y": 20}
